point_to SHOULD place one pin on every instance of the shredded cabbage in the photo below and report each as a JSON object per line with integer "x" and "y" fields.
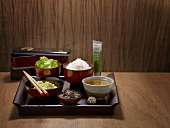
{"x": 44, "y": 62}
{"x": 46, "y": 85}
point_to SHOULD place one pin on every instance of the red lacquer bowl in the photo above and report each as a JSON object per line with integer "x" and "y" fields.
{"x": 76, "y": 76}
{"x": 56, "y": 81}
{"x": 48, "y": 72}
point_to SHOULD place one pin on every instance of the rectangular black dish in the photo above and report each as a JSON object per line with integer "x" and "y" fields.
{"x": 30, "y": 106}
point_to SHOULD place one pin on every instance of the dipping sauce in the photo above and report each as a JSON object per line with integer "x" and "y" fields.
{"x": 97, "y": 82}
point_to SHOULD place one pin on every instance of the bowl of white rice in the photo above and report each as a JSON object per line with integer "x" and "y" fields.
{"x": 77, "y": 70}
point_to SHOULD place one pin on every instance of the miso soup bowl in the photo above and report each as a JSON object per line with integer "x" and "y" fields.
{"x": 98, "y": 91}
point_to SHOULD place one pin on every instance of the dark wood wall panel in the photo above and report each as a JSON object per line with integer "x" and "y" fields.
{"x": 135, "y": 33}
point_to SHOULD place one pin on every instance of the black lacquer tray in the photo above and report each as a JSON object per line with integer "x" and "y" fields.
{"x": 31, "y": 106}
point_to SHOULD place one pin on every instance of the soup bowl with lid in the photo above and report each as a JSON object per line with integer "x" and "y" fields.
{"x": 97, "y": 86}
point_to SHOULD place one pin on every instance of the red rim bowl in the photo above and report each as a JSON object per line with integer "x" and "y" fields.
{"x": 48, "y": 72}
{"x": 33, "y": 92}
{"x": 76, "y": 76}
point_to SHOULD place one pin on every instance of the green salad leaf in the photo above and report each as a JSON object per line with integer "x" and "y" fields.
{"x": 44, "y": 62}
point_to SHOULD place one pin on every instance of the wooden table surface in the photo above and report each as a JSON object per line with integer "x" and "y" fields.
{"x": 144, "y": 101}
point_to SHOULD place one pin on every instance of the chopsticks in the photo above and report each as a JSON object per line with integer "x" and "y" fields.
{"x": 41, "y": 90}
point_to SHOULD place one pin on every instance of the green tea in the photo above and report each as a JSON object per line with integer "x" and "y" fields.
{"x": 97, "y": 82}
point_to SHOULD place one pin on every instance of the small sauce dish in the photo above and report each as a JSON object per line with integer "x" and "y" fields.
{"x": 69, "y": 96}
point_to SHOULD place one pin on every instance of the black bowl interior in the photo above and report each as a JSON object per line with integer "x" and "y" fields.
{"x": 56, "y": 81}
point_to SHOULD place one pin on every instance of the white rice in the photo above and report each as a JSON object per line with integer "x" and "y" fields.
{"x": 78, "y": 64}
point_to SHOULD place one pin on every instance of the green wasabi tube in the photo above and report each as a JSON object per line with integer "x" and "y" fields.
{"x": 97, "y": 57}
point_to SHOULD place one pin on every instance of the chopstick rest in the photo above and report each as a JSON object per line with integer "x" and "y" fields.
{"x": 36, "y": 85}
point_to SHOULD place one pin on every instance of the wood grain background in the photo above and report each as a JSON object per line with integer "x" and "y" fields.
{"x": 135, "y": 33}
